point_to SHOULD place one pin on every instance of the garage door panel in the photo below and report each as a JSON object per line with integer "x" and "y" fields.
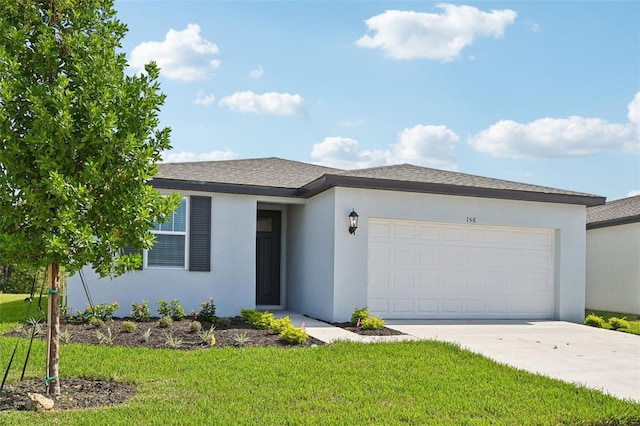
{"x": 428, "y": 306}
{"x": 432, "y": 270}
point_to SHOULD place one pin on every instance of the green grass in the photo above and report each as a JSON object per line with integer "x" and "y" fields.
{"x": 634, "y": 320}
{"x": 422, "y": 382}
{"x": 13, "y": 310}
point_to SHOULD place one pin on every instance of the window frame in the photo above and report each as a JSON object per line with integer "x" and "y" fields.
{"x": 184, "y": 233}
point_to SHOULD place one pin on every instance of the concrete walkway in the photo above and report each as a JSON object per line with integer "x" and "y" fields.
{"x": 604, "y": 360}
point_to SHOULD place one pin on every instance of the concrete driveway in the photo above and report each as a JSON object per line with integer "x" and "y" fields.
{"x": 605, "y": 360}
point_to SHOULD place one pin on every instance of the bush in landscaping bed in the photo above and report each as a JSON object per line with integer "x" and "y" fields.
{"x": 140, "y": 311}
{"x": 128, "y": 326}
{"x": 616, "y": 323}
{"x": 278, "y": 325}
{"x": 165, "y": 322}
{"x": 372, "y": 323}
{"x": 207, "y": 311}
{"x": 594, "y": 321}
{"x": 293, "y": 335}
{"x": 260, "y": 320}
{"x": 249, "y": 315}
{"x": 173, "y": 309}
{"x": 359, "y": 314}
{"x": 263, "y": 322}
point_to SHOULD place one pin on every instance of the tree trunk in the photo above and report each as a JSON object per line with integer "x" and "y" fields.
{"x": 53, "y": 341}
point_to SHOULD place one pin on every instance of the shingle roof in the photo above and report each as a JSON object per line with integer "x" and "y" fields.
{"x": 267, "y": 172}
{"x": 409, "y": 172}
{"x": 278, "y": 177}
{"x": 618, "y": 212}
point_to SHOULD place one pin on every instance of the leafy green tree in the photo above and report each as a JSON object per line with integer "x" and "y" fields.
{"x": 80, "y": 139}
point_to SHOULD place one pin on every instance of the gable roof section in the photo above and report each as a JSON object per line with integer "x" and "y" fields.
{"x": 278, "y": 177}
{"x": 407, "y": 177}
{"x": 618, "y": 212}
{"x": 261, "y": 176}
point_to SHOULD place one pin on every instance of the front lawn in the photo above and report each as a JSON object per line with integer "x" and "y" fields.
{"x": 422, "y": 382}
{"x": 634, "y": 320}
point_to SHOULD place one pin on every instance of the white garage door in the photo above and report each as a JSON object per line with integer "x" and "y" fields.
{"x": 442, "y": 270}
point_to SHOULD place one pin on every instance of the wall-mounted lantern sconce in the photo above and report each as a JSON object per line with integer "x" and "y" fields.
{"x": 353, "y": 222}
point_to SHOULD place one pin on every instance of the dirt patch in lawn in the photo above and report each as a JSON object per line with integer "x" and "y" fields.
{"x": 75, "y": 394}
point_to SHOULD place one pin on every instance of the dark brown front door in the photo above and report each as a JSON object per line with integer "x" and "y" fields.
{"x": 268, "y": 258}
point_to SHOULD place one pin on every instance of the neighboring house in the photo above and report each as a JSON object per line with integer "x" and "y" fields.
{"x": 274, "y": 234}
{"x": 613, "y": 256}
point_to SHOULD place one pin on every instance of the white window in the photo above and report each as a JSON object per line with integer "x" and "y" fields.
{"x": 171, "y": 238}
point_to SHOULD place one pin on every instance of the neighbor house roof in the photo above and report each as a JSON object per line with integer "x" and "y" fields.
{"x": 618, "y": 212}
{"x": 278, "y": 177}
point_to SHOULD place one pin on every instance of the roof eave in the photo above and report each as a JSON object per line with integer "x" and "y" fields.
{"x": 187, "y": 185}
{"x": 327, "y": 181}
{"x": 614, "y": 222}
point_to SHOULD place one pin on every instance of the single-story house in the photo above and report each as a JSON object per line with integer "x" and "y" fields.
{"x": 613, "y": 256}
{"x": 276, "y": 234}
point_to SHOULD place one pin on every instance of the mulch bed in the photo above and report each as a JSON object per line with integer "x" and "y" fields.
{"x": 79, "y": 393}
{"x": 226, "y": 335}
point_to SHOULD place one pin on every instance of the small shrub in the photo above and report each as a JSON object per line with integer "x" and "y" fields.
{"x": 128, "y": 326}
{"x": 165, "y": 322}
{"x": 359, "y": 314}
{"x": 278, "y": 325}
{"x": 195, "y": 327}
{"x": 172, "y": 309}
{"x": 593, "y": 320}
{"x": 104, "y": 311}
{"x": 207, "y": 311}
{"x": 263, "y": 322}
{"x": 372, "y": 323}
{"x": 207, "y": 335}
{"x": 223, "y": 322}
{"x": 65, "y": 336}
{"x": 616, "y": 323}
{"x": 105, "y": 338}
{"x": 140, "y": 311}
{"x": 249, "y": 314}
{"x": 293, "y": 335}
{"x": 96, "y": 322}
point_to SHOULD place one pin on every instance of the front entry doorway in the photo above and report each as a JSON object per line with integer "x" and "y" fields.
{"x": 268, "y": 257}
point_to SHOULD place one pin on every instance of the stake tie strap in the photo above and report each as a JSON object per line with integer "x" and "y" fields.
{"x": 50, "y": 291}
{"x": 48, "y": 380}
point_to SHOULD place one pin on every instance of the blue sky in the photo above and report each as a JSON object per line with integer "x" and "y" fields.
{"x": 539, "y": 92}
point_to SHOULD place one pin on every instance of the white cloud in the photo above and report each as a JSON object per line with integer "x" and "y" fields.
{"x": 560, "y": 137}
{"x": 257, "y": 73}
{"x": 183, "y": 55}
{"x": 431, "y": 146}
{"x": 267, "y": 103}
{"x": 426, "y": 145}
{"x": 633, "y": 193}
{"x": 203, "y": 99}
{"x": 184, "y": 156}
{"x": 419, "y": 35}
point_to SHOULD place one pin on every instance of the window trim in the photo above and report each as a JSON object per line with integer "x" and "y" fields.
{"x": 185, "y": 233}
